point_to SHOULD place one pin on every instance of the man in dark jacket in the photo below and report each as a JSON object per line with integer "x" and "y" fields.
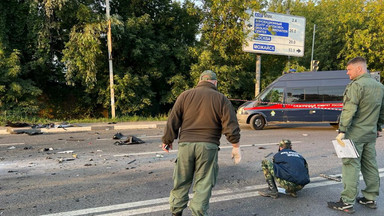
{"x": 289, "y": 169}
{"x": 199, "y": 117}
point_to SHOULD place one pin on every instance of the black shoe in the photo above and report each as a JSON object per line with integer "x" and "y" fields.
{"x": 341, "y": 206}
{"x": 366, "y": 202}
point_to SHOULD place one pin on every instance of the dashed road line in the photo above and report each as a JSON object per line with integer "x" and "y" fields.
{"x": 161, "y": 204}
{"x": 175, "y": 151}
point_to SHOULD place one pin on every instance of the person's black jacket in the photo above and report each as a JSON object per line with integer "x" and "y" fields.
{"x": 291, "y": 166}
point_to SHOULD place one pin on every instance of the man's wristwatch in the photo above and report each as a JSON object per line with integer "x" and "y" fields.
{"x": 339, "y": 131}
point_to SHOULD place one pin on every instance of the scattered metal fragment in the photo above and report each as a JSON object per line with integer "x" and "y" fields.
{"x": 66, "y": 125}
{"x": 12, "y": 147}
{"x": 124, "y": 140}
{"x": 74, "y": 139}
{"x": 271, "y": 153}
{"x": 60, "y": 160}
{"x": 65, "y": 152}
{"x": 32, "y": 133}
{"x": 45, "y": 149}
{"x": 131, "y": 161}
{"x": 118, "y": 136}
{"x": 50, "y": 125}
{"x": 334, "y": 178}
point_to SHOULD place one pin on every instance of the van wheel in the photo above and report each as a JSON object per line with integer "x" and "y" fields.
{"x": 334, "y": 125}
{"x": 257, "y": 122}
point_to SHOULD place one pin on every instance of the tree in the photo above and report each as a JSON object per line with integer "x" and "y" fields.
{"x": 16, "y": 94}
{"x": 222, "y": 37}
{"x": 151, "y": 42}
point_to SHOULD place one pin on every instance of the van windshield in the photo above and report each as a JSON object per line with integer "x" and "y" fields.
{"x": 273, "y": 95}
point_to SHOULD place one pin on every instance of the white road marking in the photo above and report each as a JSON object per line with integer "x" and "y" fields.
{"x": 174, "y": 151}
{"x": 161, "y": 204}
{"x": 7, "y": 144}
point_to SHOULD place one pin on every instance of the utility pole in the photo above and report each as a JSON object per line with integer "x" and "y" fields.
{"x": 313, "y": 44}
{"x": 109, "y": 38}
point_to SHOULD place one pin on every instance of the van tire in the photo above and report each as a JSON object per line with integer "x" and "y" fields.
{"x": 335, "y": 125}
{"x": 257, "y": 122}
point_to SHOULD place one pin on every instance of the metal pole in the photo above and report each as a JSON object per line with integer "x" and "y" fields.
{"x": 313, "y": 44}
{"x": 258, "y": 69}
{"x": 109, "y": 38}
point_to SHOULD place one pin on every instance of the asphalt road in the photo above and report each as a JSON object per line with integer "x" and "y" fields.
{"x": 84, "y": 173}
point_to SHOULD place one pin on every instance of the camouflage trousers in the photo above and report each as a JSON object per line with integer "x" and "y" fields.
{"x": 269, "y": 174}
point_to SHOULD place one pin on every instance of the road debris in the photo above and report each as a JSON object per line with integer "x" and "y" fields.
{"x": 65, "y": 152}
{"x": 334, "y": 178}
{"x": 30, "y": 132}
{"x": 61, "y": 160}
{"x": 271, "y": 153}
{"x": 74, "y": 139}
{"x": 126, "y": 140}
{"x": 131, "y": 161}
{"x": 50, "y": 125}
{"x": 45, "y": 149}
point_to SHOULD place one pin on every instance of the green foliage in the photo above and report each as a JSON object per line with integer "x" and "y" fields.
{"x": 82, "y": 52}
{"x": 37, "y": 120}
{"x": 54, "y": 61}
{"x": 222, "y": 38}
{"x": 16, "y": 94}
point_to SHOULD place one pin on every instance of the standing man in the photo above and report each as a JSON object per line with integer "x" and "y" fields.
{"x": 202, "y": 114}
{"x": 288, "y": 168}
{"x": 360, "y": 121}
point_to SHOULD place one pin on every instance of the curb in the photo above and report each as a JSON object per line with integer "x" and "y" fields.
{"x": 81, "y": 129}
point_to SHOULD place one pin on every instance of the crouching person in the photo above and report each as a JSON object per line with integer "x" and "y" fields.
{"x": 288, "y": 168}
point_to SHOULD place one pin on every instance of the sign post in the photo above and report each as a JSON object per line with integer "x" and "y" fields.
{"x": 278, "y": 34}
{"x": 273, "y": 33}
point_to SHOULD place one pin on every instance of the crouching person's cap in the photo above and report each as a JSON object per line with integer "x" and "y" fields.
{"x": 285, "y": 144}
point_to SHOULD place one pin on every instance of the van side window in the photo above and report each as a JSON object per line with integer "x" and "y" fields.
{"x": 332, "y": 93}
{"x": 300, "y": 95}
{"x": 274, "y": 95}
